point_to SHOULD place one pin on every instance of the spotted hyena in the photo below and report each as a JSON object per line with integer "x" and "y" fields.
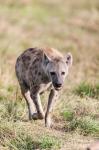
{"x": 38, "y": 69}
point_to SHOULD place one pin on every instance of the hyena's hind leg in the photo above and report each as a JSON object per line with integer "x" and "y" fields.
{"x": 30, "y": 104}
{"x": 25, "y": 90}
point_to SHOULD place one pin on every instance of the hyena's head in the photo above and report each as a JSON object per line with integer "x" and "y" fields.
{"x": 57, "y": 69}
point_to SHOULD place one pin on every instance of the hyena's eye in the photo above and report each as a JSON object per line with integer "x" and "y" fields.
{"x": 52, "y": 73}
{"x": 62, "y": 73}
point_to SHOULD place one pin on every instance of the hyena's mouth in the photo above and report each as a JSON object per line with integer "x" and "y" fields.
{"x": 58, "y": 88}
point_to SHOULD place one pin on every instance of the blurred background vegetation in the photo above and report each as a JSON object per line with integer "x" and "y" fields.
{"x": 71, "y": 25}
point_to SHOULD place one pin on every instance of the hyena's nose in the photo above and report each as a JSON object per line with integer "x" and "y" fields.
{"x": 58, "y": 85}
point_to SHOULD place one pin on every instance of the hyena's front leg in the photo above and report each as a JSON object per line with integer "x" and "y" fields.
{"x": 51, "y": 101}
{"x": 36, "y": 99}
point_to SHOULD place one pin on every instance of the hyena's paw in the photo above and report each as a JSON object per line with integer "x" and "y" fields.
{"x": 33, "y": 116}
{"x": 41, "y": 116}
{"x": 36, "y": 116}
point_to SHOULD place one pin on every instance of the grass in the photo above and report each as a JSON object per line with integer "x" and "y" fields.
{"x": 50, "y": 143}
{"x": 69, "y": 26}
{"x": 67, "y": 115}
{"x": 85, "y": 89}
{"x": 85, "y": 126}
{"x": 27, "y": 143}
{"x": 24, "y": 141}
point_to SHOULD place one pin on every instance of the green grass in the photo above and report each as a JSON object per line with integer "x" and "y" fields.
{"x": 48, "y": 142}
{"x": 67, "y": 115}
{"x": 14, "y": 137}
{"x": 11, "y": 110}
{"x": 86, "y": 89}
{"x": 85, "y": 126}
{"x": 25, "y": 142}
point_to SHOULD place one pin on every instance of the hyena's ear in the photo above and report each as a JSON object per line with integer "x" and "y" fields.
{"x": 46, "y": 59}
{"x": 69, "y": 59}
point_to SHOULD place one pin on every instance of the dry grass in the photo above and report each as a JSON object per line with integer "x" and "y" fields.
{"x": 69, "y": 26}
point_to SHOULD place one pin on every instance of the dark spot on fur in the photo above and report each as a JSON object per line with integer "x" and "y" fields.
{"x": 34, "y": 67}
{"x": 18, "y": 59}
{"x": 26, "y": 58}
{"x": 39, "y": 73}
{"x": 36, "y": 71}
{"x": 35, "y": 89}
{"x": 34, "y": 62}
{"x": 25, "y": 85}
{"x": 31, "y": 68}
{"x": 30, "y": 49}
